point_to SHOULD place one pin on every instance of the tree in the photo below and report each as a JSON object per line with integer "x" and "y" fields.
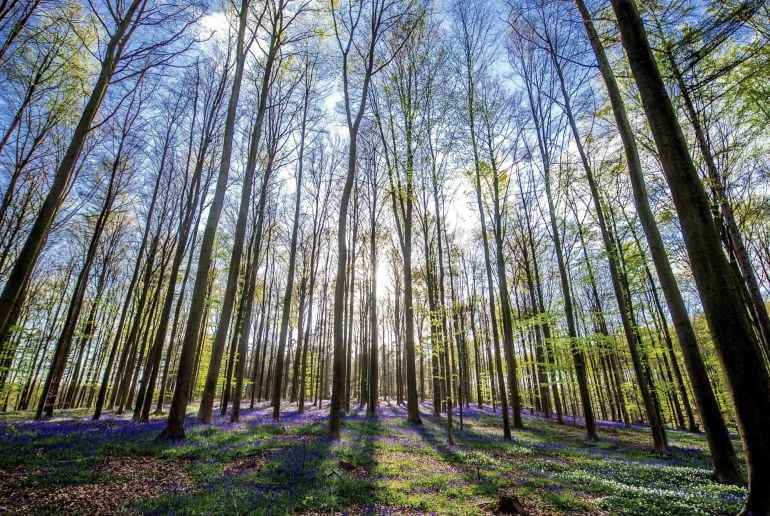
{"x": 539, "y": 86}
{"x": 474, "y": 26}
{"x": 738, "y": 347}
{"x": 277, "y": 22}
{"x": 119, "y": 21}
{"x": 174, "y": 428}
{"x": 360, "y": 29}
{"x": 726, "y": 468}
{"x": 211, "y": 89}
{"x": 374, "y": 183}
{"x": 307, "y": 77}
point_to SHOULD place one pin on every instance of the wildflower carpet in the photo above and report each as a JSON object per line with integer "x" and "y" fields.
{"x": 383, "y": 466}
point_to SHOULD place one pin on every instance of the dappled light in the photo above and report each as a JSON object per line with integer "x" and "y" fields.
{"x": 384, "y": 257}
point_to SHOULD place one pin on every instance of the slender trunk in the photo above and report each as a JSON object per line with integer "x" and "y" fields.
{"x": 51, "y": 387}
{"x": 542, "y": 376}
{"x": 505, "y": 303}
{"x": 276, "y": 401}
{"x": 372, "y": 402}
{"x": 233, "y": 271}
{"x": 602, "y": 325}
{"x": 174, "y": 428}
{"x": 621, "y": 291}
{"x": 17, "y": 281}
{"x": 102, "y": 396}
{"x": 736, "y": 344}
{"x": 503, "y": 396}
{"x": 726, "y": 468}
{"x": 578, "y": 356}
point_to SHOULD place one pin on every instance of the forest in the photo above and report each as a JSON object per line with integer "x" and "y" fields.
{"x": 385, "y": 257}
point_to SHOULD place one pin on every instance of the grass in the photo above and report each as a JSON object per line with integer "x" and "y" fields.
{"x": 386, "y": 466}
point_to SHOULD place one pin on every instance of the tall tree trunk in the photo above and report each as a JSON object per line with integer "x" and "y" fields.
{"x": 736, "y": 343}
{"x": 602, "y": 324}
{"x": 412, "y": 406}
{"x": 373, "y": 388}
{"x": 51, "y": 386}
{"x": 622, "y": 294}
{"x": 17, "y": 281}
{"x": 90, "y": 323}
{"x": 578, "y": 356}
{"x": 185, "y": 226}
{"x": 174, "y": 428}
{"x": 124, "y": 314}
{"x": 276, "y": 401}
{"x": 123, "y": 372}
{"x": 233, "y": 271}
{"x": 726, "y": 467}
{"x": 505, "y": 308}
{"x": 503, "y": 396}
{"x": 542, "y": 375}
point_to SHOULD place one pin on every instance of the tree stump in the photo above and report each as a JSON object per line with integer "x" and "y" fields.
{"x": 508, "y": 504}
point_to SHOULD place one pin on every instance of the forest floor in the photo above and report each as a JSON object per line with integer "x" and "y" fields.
{"x": 387, "y": 466}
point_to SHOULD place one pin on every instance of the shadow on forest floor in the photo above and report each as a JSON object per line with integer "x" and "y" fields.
{"x": 381, "y": 466}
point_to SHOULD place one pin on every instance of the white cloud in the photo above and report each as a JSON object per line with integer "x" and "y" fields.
{"x": 215, "y": 27}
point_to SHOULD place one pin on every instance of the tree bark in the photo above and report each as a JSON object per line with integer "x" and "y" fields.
{"x": 174, "y": 428}
{"x": 726, "y": 467}
{"x": 737, "y": 345}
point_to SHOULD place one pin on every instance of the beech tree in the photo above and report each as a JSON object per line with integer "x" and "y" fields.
{"x": 725, "y": 461}
{"x": 175, "y": 425}
{"x": 739, "y": 349}
{"x": 361, "y": 29}
{"x": 119, "y": 59}
{"x": 539, "y": 223}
